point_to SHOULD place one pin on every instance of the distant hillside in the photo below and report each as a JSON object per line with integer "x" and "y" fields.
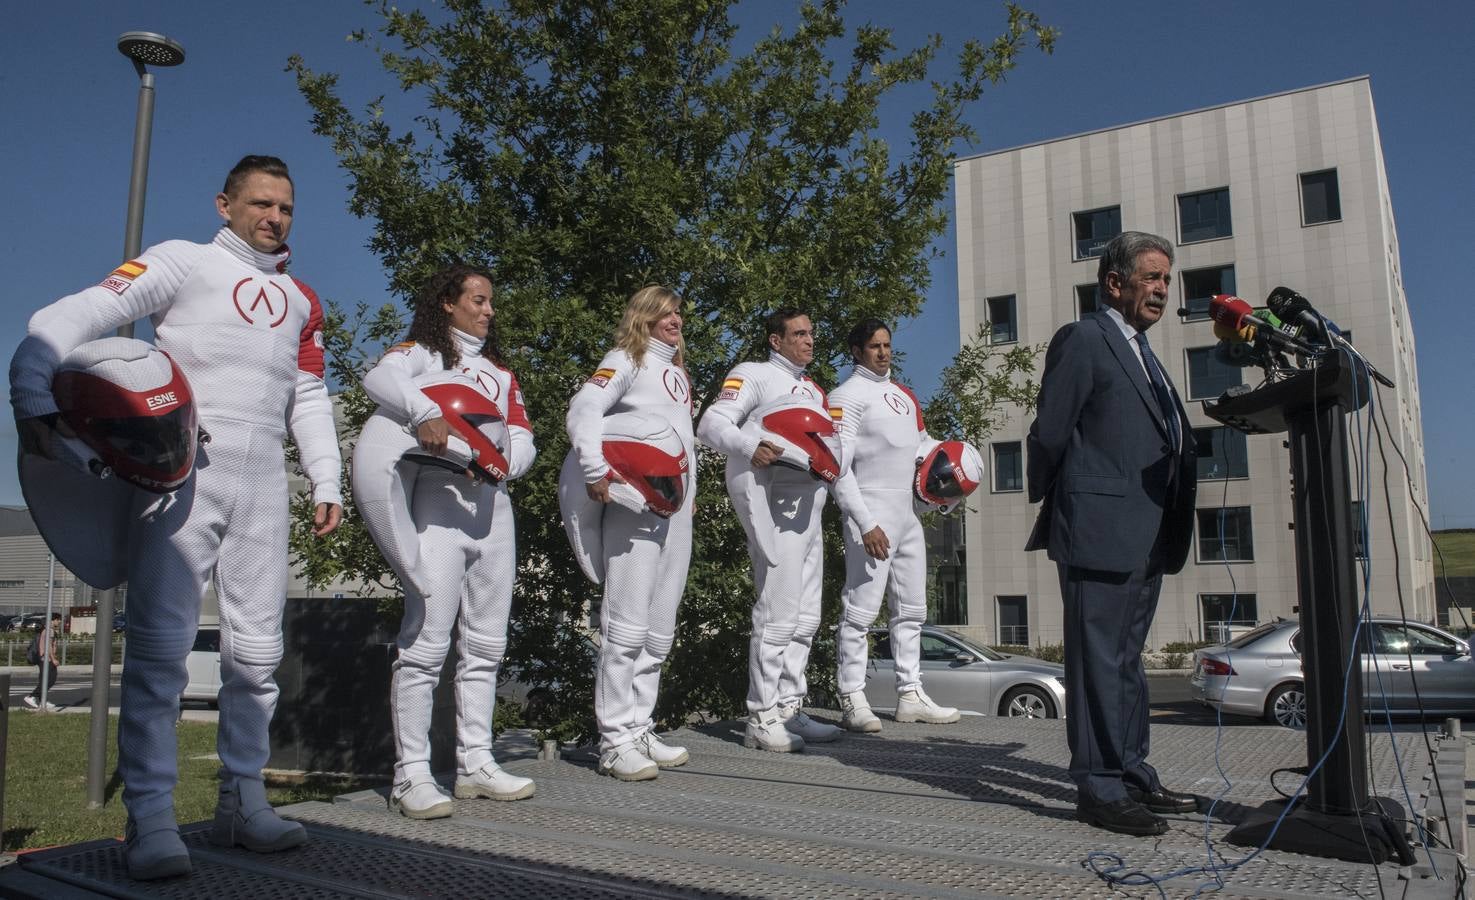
{"x": 1457, "y": 546}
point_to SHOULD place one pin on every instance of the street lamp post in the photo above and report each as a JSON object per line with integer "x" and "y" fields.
{"x": 143, "y": 48}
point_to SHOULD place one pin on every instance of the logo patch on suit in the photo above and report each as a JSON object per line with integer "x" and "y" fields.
{"x": 730, "y": 389}
{"x": 601, "y": 377}
{"x": 259, "y": 301}
{"x": 675, "y": 383}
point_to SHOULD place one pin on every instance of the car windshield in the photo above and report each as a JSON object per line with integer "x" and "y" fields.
{"x": 976, "y": 650}
{"x": 1252, "y": 636}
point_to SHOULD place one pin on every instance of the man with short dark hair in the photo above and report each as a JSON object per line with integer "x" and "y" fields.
{"x": 780, "y": 510}
{"x": 248, "y": 337}
{"x": 1112, "y": 458}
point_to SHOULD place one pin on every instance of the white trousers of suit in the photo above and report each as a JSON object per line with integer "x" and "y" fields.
{"x": 901, "y": 577}
{"x": 645, "y": 560}
{"x": 786, "y": 611}
{"x": 230, "y": 520}
{"x": 468, "y": 554}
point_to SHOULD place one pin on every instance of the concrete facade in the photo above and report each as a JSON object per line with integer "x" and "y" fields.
{"x": 1017, "y": 223}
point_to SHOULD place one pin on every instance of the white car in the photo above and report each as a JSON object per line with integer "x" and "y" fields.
{"x": 203, "y": 663}
{"x": 976, "y": 680}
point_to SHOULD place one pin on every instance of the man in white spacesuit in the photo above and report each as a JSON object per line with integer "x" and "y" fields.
{"x": 249, "y": 339}
{"x": 788, "y": 579}
{"x": 884, "y": 437}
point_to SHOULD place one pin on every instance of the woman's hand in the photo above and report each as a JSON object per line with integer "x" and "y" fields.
{"x": 599, "y": 490}
{"x": 434, "y": 435}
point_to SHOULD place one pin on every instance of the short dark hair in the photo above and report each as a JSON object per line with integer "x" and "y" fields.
{"x": 777, "y": 323}
{"x": 1120, "y": 255}
{"x": 267, "y": 165}
{"x": 56, "y": 617}
{"x": 862, "y": 332}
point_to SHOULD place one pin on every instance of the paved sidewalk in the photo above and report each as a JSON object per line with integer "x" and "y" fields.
{"x": 980, "y": 808}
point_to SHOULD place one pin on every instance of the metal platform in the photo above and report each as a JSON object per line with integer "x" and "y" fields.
{"x": 980, "y": 808}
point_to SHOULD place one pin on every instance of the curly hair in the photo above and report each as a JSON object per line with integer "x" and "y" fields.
{"x": 431, "y": 325}
{"x": 646, "y": 307}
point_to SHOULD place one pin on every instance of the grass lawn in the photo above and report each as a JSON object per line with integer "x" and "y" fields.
{"x": 1458, "y": 549}
{"x": 46, "y": 781}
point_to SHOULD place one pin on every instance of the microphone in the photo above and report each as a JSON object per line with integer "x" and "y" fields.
{"x": 1298, "y": 313}
{"x": 1236, "y": 321}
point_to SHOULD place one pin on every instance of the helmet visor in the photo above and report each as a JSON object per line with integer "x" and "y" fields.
{"x": 942, "y": 479}
{"x": 161, "y": 444}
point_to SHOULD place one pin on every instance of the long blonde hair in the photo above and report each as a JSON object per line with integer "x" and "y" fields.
{"x": 646, "y": 307}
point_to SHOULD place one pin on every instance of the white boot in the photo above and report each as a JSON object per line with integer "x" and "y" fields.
{"x": 916, "y": 706}
{"x": 664, "y": 755}
{"x": 244, "y": 818}
{"x": 766, "y": 731}
{"x": 419, "y": 797}
{"x": 493, "y": 782}
{"x": 798, "y": 722}
{"x": 857, "y": 715}
{"x": 627, "y": 763}
{"x": 154, "y": 849}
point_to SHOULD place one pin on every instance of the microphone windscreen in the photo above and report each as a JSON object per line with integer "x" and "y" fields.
{"x": 1234, "y": 335}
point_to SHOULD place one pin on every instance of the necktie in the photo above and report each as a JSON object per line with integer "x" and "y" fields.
{"x": 1160, "y": 388}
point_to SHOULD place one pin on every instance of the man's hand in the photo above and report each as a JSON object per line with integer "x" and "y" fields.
{"x": 765, "y": 454}
{"x": 876, "y": 543}
{"x": 325, "y": 518}
{"x": 599, "y": 490}
{"x": 434, "y": 435}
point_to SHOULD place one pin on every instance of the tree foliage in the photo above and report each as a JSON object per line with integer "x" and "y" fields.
{"x": 581, "y": 150}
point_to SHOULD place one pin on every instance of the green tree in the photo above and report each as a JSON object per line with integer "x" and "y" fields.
{"x": 581, "y": 150}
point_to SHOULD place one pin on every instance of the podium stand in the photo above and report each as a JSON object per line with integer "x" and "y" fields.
{"x": 1336, "y": 818}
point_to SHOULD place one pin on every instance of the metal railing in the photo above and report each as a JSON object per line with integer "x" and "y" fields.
{"x": 1017, "y": 635}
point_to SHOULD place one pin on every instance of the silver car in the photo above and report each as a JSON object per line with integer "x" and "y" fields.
{"x": 977, "y": 680}
{"x": 1259, "y": 673}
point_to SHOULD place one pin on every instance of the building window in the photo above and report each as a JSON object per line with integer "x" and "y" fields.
{"x": 1225, "y": 535}
{"x": 947, "y": 575}
{"x": 1094, "y": 228}
{"x": 1200, "y": 286}
{"x": 1013, "y": 620}
{"x": 1008, "y": 467}
{"x": 1320, "y": 199}
{"x": 1222, "y": 453}
{"x": 1225, "y": 614}
{"x": 1359, "y": 535}
{"x": 1208, "y": 377}
{"x": 12, "y": 582}
{"x": 1204, "y": 216}
{"x": 1086, "y": 298}
{"x": 1003, "y": 327}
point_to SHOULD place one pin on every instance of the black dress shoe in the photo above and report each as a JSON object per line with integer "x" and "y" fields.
{"x": 1123, "y": 817}
{"x": 1163, "y": 800}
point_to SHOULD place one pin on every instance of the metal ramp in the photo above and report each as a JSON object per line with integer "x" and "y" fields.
{"x": 980, "y": 808}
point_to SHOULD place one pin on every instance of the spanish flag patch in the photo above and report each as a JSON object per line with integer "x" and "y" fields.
{"x": 402, "y": 346}
{"x": 730, "y": 388}
{"x": 121, "y": 278}
{"x": 601, "y": 377}
{"x": 836, "y": 413}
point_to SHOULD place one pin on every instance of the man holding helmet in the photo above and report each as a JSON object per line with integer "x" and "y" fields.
{"x": 769, "y": 420}
{"x": 883, "y": 434}
{"x": 248, "y": 337}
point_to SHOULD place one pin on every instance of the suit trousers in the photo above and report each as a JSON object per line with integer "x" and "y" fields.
{"x": 1107, "y": 615}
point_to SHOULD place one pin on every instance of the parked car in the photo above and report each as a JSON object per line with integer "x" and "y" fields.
{"x": 10, "y": 623}
{"x": 203, "y": 664}
{"x": 977, "y": 680}
{"x": 120, "y": 622}
{"x": 1259, "y": 673}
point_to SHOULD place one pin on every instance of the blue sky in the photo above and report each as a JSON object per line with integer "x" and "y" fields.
{"x": 69, "y": 101}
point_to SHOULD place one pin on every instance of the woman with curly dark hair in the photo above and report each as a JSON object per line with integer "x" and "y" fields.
{"x": 446, "y": 531}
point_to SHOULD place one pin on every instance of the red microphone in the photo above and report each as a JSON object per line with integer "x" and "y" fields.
{"x": 1234, "y": 318}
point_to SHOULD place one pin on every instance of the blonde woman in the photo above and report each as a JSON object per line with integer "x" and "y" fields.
{"x": 630, "y": 426}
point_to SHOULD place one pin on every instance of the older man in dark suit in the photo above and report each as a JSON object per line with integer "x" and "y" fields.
{"x": 1112, "y": 458}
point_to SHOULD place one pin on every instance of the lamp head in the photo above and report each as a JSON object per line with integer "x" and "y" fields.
{"x": 148, "y": 48}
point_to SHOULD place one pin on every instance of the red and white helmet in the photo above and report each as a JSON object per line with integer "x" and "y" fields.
{"x": 945, "y": 476}
{"x": 649, "y": 455}
{"x": 803, "y": 430}
{"x": 479, "y": 438}
{"x": 132, "y": 406}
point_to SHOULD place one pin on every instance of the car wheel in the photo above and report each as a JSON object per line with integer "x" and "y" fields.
{"x": 1027, "y": 701}
{"x": 1286, "y": 706}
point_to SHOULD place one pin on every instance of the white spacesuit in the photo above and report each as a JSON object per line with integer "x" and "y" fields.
{"x": 884, "y": 436}
{"x": 464, "y": 561}
{"x": 249, "y": 339}
{"x": 645, "y": 559}
{"x": 788, "y": 568}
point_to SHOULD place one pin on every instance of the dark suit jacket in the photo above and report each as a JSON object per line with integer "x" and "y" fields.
{"x": 1099, "y": 456}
